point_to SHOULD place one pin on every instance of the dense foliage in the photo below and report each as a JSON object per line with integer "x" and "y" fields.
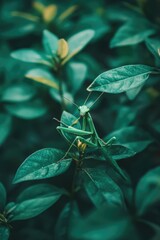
{"x": 80, "y": 120}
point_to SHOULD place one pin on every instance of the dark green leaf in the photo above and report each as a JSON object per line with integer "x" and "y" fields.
{"x": 100, "y": 187}
{"x": 118, "y": 152}
{"x": 5, "y": 126}
{"x": 107, "y": 223}
{"x": 147, "y": 191}
{"x": 133, "y": 138}
{"x": 66, "y": 220}
{"x": 42, "y": 164}
{"x": 121, "y": 79}
{"x": 130, "y": 34}
{"x": 4, "y": 233}
{"x": 2, "y": 196}
{"x": 34, "y": 200}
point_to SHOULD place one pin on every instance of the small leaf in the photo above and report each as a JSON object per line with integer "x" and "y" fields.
{"x": 67, "y": 13}
{"x": 4, "y": 232}
{"x": 5, "y": 126}
{"x": 3, "y": 196}
{"x": 121, "y": 79}
{"x": 153, "y": 45}
{"x": 27, "y": 110}
{"x": 148, "y": 191}
{"x": 42, "y": 76}
{"x": 29, "y": 55}
{"x": 50, "y": 42}
{"x": 42, "y": 164}
{"x": 133, "y": 138}
{"x": 77, "y": 42}
{"x": 18, "y": 93}
{"x": 38, "y": 6}
{"x": 62, "y": 48}
{"x": 34, "y": 200}
{"x": 49, "y": 13}
{"x": 130, "y": 34}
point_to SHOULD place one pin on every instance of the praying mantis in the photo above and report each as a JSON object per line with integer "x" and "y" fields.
{"x": 87, "y": 136}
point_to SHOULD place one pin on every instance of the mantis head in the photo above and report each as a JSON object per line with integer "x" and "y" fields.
{"x": 83, "y": 110}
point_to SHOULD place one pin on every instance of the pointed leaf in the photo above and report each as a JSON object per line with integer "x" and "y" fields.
{"x": 130, "y": 34}
{"x": 50, "y": 42}
{"x": 34, "y": 200}
{"x": 121, "y": 79}
{"x": 131, "y": 137}
{"x": 30, "y": 55}
{"x": 100, "y": 187}
{"x": 42, "y": 164}
{"x": 43, "y": 76}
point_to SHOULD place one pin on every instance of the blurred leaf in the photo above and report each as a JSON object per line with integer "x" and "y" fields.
{"x": 4, "y": 232}
{"x": 147, "y": 191}
{"x": 130, "y": 34}
{"x": 77, "y": 42}
{"x": 34, "y": 200}
{"x": 18, "y": 93}
{"x": 30, "y": 55}
{"x": 108, "y": 223}
{"x": 133, "y": 138}
{"x": 42, "y": 164}
{"x": 5, "y": 126}
{"x": 63, "y": 49}
{"x": 121, "y": 79}
{"x": 27, "y": 110}
{"x": 49, "y": 13}
{"x": 50, "y": 42}
{"x": 66, "y": 220}
{"x": 75, "y": 79}
{"x": 3, "y": 196}
{"x": 42, "y": 76}
{"x": 153, "y": 45}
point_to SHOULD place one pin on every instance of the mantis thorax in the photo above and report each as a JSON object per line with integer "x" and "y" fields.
{"x": 83, "y": 110}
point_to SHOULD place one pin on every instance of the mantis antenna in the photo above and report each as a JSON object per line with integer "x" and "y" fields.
{"x": 96, "y": 100}
{"x": 71, "y": 101}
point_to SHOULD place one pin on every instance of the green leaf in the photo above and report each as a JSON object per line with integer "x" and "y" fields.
{"x": 133, "y": 138}
{"x": 121, "y": 79}
{"x": 27, "y": 110}
{"x": 3, "y": 196}
{"x": 153, "y": 45}
{"x": 75, "y": 79}
{"x": 32, "y": 56}
{"x": 66, "y": 220}
{"x": 34, "y": 200}
{"x": 4, "y": 233}
{"x": 18, "y": 93}
{"x": 107, "y": 223}
{"x": 77, "y": 42}
{"x": 118, "y": 152}
{"x": 44, "y": 77}
{"x": 50, "y": 42}
{"x": 130, "y": 34}
{"x": 5, "y": 126}
{"x": 42, "y": 164}
{"x": 148, "y": 191}
{"x": 100, "y": 187}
